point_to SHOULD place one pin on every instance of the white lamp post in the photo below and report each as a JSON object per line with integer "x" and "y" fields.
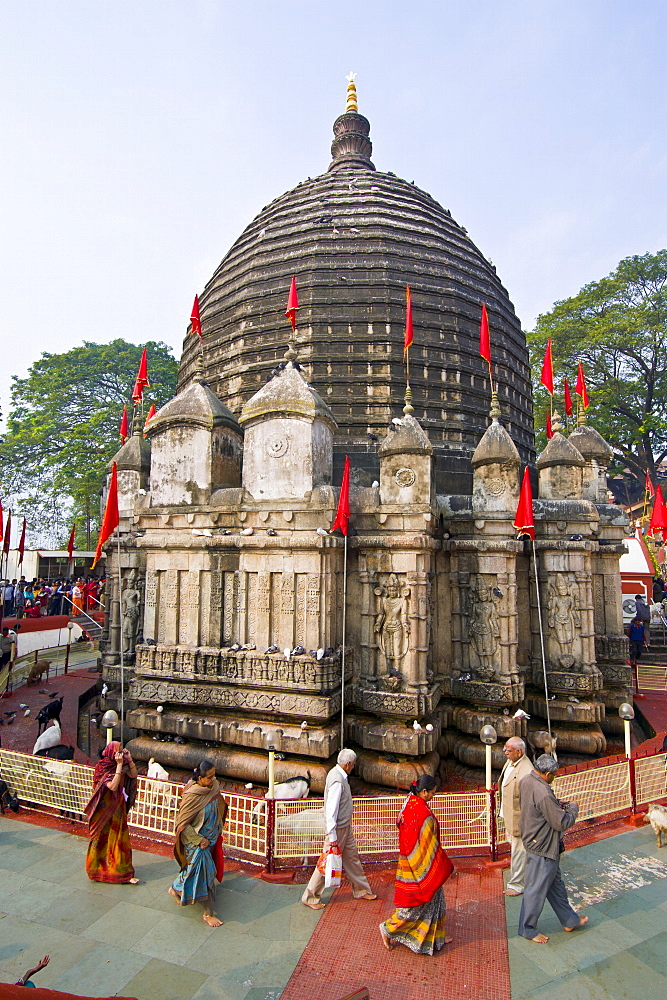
{"x": 488, "y": 736}
{"x": 271, "y": 743}
{"x": 109, "y": 720}
{"x": 627, "y": 713}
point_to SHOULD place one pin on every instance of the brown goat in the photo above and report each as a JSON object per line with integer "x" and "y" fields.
{"x": 36, "y": 671}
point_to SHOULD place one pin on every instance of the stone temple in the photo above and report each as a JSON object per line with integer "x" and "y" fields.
{"x": 230, "y": 613}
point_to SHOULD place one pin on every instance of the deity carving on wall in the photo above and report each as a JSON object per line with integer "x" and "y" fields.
{"x": 483, "y": 629}
{"x": 392, "y": 627}
{"x": 563, "y": 623}
{"x": 131, "y": 613}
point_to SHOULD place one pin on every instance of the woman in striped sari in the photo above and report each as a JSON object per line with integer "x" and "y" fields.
{"x": 418, "y": 921}
{"x": 109, "y": 857}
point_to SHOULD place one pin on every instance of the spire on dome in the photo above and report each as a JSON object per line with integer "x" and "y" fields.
{"x": 351, "y": 144}
{"x": 351, "y": 93}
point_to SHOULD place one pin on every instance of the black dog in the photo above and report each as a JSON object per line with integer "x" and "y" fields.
{"x": 60, "y": 752}
{"x": 7, "y": 800}
{"x": 47, "y": 713}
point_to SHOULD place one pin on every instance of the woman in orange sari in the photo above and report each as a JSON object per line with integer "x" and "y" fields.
{"x": 418, "y": 921}
{"x": 109, "y": 857}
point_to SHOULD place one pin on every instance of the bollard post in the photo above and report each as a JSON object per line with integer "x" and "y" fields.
{"x": 493, "y": 832}
{"x": 270, "y": 829}
{"x": 633, "y": 786}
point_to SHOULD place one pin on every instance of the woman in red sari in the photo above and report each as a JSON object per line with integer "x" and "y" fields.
{"x": 109, "y": 857}
{"x": 418, "y": 921}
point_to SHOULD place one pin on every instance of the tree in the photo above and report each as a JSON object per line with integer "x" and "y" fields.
{"x": 63, "y": 430}
{"x": 618, "y": 327}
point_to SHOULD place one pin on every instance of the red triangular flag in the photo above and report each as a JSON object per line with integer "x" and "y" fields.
{"x": 8, "y": 531}
{"x": 70, "y": 543}
{"x": 580, "y": 387}
{"x": 195, "y": 318}
{"x": 124, "y": 428}
{"x": 141, "y": 381}
{"x": 550, "y": 432}
{"x": 343, "y": 511}
{"x": 111, "y": 519}
{"x": 547, "y": 378}
{"x": 524, "y": 522}
{"x": 407, "y": 340}
{"x": 149, "y": 415}
{"x": 292, "y": 303}
{"x": 648, "y": 486}
{"x": 22, "y": 544}
{"x": 569, "y": 409}
{"x": 484, "y": 337}
{"x": 659, "y": 515}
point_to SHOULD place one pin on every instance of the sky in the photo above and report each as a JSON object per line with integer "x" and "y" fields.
{"x": 140, "y": 138}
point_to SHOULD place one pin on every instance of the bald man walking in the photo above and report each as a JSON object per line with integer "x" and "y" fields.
{"x": 515, "y": 769}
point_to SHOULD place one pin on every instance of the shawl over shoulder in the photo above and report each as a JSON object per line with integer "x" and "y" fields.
{"x": 423, "y": 866}
{"x": 194, "y": 800}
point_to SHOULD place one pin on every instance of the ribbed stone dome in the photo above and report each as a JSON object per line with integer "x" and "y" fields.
{"x": 355, "y": 237}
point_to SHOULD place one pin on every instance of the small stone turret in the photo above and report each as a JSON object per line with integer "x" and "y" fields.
{"x": 406, "y": 459}
{"x": 597, "y": 455}
{"x": 496, "y": 464}
{"x": 196, "y": 448}
{"x": 289, "y": 433}
{"x": 560, "y": 468}
{"x": 133, "y": 460}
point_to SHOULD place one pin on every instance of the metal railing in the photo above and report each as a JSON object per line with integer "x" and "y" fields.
{"x": 291, "y": 832}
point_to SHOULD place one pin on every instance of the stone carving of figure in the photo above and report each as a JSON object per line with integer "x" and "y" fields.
{"x": 392, "y": 625}
{"x": 131, "y": 610}
{"x": 562, "y": 615}
{"x": 483, "y": 625}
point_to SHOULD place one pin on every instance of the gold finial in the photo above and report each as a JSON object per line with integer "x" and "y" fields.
{"x": 494, "y": 412}
{"x": 556, "y": 425}
{"x": 408, "y": 408}
{"x": 290, "y": 354}
{"x": 351, "y": 93}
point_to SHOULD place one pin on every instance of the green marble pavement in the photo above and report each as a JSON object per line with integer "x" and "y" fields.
{"x": 621, "y": 884}
{"x": 135, "y": 940}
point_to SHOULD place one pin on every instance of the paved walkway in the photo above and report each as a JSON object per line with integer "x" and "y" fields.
{"x": 621, "y": 883}
{"x": 134, "y": 940}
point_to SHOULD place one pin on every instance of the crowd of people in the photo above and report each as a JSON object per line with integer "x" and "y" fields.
{"x": 38, "y": 597}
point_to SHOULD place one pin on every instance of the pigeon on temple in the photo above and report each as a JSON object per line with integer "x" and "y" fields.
{"x": 246, "y": 531}
{"x": 417, "y": 728}
{"x": 271, "y": 531}
{"x": 322, "y": 531}
{"x": 273, "y": 649}
{"x": 520, "y": 714}
{"x": 304, "y": 726}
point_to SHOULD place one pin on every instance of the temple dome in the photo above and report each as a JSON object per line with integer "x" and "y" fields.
{"x": 355, "y": 237}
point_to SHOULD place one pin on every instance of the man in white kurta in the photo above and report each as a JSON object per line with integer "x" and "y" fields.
{"x": 338, "y": 825}
{"x": 517, "y": 766}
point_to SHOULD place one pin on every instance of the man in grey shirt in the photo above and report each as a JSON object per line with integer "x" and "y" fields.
{"x": 543, "y": 819}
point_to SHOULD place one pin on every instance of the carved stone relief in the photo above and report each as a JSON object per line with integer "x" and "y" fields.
{"x": 483, "y": 629}
{"x": 392, "y": 628}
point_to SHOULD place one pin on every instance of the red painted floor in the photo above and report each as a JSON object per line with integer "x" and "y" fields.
{"x": 22, "y": 732}
{"x": 346, "y": 953}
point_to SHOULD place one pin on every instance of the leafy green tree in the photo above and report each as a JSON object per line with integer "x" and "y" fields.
{"x": 63, "y": 429}
{"x": 618, "y": 327}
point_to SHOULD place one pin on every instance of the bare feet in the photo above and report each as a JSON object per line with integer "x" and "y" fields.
{"x": 540, "y": 939}
{"x": 313, "y": 906}
{"x": 172, "y": 892}
{"x": 212, "y": 921}
{"x": 367, "y": 895}
{"x": 448, "y": 940}
{"x": 134, "y": 881}
{"x": 512, "y": 892}
{"x": 582, "y": 921}
{"x": 389, "y": 945}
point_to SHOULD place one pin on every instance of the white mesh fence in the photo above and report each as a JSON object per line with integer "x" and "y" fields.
{"x": 651, "y": 778}
{"x": 597, "y": 791}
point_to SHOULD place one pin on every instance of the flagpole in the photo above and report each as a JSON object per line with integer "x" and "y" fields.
{"x": 120, "y": 643}
{"x": 544, "y": 659}
{"x": 342, "y": 659}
